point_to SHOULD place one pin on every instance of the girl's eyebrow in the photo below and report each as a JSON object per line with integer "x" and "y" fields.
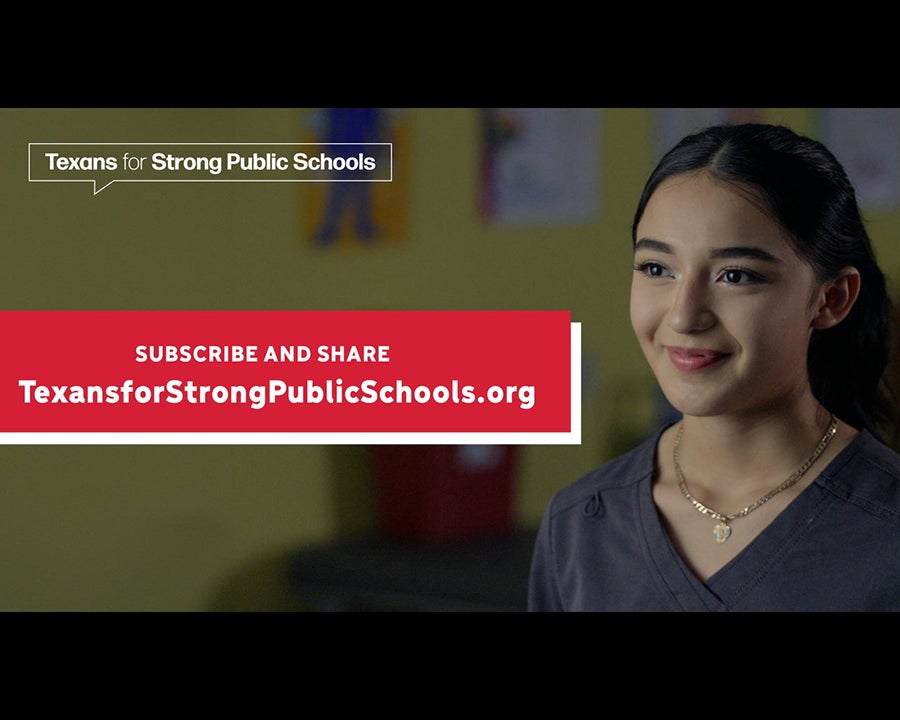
{"x": 648, "y": 244}
{"x": 726, "y": 252}
{"x": 749, "y": 252}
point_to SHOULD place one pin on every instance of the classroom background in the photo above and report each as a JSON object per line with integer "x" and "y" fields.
{"x": 516, "y": 208}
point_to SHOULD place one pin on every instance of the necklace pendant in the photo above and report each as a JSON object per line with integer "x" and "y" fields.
{"x": 722, "y": 532}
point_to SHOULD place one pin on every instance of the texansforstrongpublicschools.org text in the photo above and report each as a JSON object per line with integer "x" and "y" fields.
{"x": 258, "y": 396}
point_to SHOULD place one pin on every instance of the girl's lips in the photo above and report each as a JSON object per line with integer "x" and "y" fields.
{"x": 694, "y": 359}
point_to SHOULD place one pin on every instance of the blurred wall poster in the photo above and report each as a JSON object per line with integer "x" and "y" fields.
{"x": 867, "y": 142}
{"x": 539, "y": 165}
{"x": 357, "y": 214}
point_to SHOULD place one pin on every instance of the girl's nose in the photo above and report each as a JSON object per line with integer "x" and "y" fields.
{"x": 690, "y": 311}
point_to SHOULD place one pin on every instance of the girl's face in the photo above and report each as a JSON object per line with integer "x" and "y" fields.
{"x": 720, "y": 302}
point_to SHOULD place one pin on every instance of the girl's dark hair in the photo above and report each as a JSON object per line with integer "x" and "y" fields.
{"x": 804, "y": 187}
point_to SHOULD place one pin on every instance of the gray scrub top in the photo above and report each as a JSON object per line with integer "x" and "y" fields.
{"x": 602, "y": 546}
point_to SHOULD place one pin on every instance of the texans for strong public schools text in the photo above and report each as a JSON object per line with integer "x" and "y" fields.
{"x": 215, "y": 164}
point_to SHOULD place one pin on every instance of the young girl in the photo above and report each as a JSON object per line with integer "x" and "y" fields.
{"x": 759, "y": 305}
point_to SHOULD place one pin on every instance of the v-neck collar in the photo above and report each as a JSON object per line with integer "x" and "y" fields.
{"x": 725, "y": 589}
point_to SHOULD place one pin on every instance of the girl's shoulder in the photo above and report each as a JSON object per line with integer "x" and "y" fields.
{"x": 866, "y": 473}
{"x": 634, "y": 466}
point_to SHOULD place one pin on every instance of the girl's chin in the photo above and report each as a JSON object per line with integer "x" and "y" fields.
{"x": 688, "y": 403}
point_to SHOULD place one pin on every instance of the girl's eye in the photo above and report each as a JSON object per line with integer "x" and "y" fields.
{"x": 736, "y": 276}
{"x": 651, "y": 269}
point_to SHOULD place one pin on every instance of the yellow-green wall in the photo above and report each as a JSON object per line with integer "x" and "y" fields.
{"x": 163, "y": 527}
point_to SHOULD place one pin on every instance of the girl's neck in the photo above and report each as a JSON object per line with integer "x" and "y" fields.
{"x": 752, "y": 448}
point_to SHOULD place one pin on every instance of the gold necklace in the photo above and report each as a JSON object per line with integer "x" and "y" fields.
{"x": 722, "y": 531}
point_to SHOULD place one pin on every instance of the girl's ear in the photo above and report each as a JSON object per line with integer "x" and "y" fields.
{"x": 837, "y": 299}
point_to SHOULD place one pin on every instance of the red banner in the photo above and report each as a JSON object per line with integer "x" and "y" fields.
{"x": 424, "y": 373}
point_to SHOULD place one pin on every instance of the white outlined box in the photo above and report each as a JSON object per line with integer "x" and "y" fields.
{"x": 106, "y": 163}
